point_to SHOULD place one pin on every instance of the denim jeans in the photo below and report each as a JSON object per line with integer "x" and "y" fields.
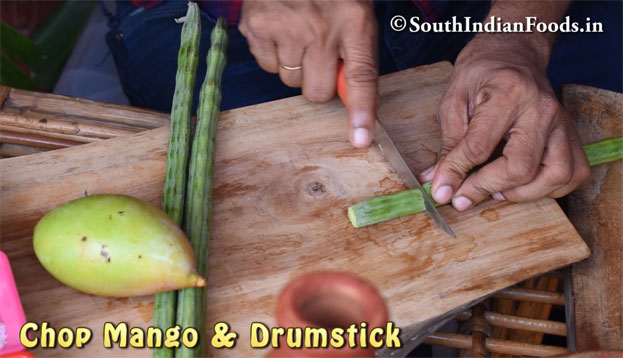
{"x": 144, "y": 44}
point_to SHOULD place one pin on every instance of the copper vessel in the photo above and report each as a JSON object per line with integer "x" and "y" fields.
{"x": 329, "y": 300}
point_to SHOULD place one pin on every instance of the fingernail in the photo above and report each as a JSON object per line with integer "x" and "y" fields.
{"x": 461, "y": 203}
{"x": 361, "y": 136}
{"x": 443, "y": 194}
{"x": 426, "y": 172}
{"x": 498, "y": 196}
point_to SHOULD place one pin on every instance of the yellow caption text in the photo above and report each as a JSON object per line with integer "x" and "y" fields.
{"x": 42, "y": 335}
{"x": 312, "y": 337}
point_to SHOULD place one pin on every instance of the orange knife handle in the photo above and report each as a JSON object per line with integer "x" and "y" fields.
{"x": 341, "y": 83}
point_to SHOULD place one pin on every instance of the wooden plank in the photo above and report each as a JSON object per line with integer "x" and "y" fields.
{"x": 9, "y": 150}
{"x": 65, "y": 106}
{"x": 35, "y": 140}
{"x": 595, "y": 210}
{"x": 61, "y": 126}
{"x": 71, "y": 119}
{"x": 517, "y": 322}
{"x": 285, "y": 174}
{"x": 57, "y": 117}
{"x": 51, "y": 135}
{"x": 498, "y": 346}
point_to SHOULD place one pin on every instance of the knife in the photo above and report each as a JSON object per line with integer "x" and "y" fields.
{"x": 389, "y": 150}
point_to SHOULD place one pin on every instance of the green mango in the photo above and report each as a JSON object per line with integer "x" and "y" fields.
{"x": 115, "y": 245}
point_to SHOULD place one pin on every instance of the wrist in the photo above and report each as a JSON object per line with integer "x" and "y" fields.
{"x": 528, "y": 49}
{"x": 535, "y": 47}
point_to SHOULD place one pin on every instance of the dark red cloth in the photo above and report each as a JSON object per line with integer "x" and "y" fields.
{"x": 431, "y": 10}
{"x": 229, "y": 9}
{"x": 147, "y": 4}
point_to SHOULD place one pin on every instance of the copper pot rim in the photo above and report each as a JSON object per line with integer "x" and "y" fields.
{"x": 372, "y": 304}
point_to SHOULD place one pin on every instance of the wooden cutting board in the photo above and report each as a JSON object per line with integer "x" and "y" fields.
{"x": 285, "y": 174}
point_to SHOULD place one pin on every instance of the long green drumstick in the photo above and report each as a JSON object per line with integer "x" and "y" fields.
{"x": 190, "y": 305}
{"x": 177, "y": 152}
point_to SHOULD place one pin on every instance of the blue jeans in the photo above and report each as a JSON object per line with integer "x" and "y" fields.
{"x": 145, "y": 43}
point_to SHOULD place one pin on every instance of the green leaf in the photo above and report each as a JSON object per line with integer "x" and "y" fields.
{"x": 56, "y": 39}
{"x": 16, "y": 45}
{"x": 13, "y": 76}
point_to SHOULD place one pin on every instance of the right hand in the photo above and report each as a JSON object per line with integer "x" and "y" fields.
{"x": 499, "y": 91}
{"x": 316, "y": 35}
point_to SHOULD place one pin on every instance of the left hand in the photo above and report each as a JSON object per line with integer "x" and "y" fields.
{"x": 499, "y": 90}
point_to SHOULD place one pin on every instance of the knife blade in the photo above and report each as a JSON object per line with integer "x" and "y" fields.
{"x": 389, "y": 150}
{"x": 391, "y": 153}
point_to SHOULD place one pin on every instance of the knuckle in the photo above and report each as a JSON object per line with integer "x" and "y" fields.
{"x": 448, "y": 143}
{"x": 266, "y": 64}
{"x": 293, "y": 36}
{"x": 268, "y": 68}
{"x": 483, "y": 187}
{"x": 514, "y": 83}
{"x": 291, "y": 83}
{"x": 257, "y": 26}
{"x": 512, "y": 74}
{"x": 289, "y": 79}
{"x": 443, "y": 110}
{"x": 449, "y": 138}
{"x": 360, "y": 10}
{"x": 361, "y": 61}
{"x": 475, "y": 151}
{"x": 320, "y": 29}
{"x": 583, "y": 173}
{"x": 453, "y": 167}
{"x": 318, "y": 94}
{"x": 450, "y": 111}
{"x": 255, "y": 22}
{"x": 446, "y": 147}
{"x": 365, "y": 73}
{"x": 521, "y": 170}
{"x": 561, "y": 175}
{"x": 242, "y": 27}
{"x": 255, "y": 48}
{"x": 548, "y": 100}
{"x": 548, "y": 106}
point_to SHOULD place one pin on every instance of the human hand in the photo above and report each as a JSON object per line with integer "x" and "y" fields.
{"x": 499, "y": 90}
{"x": 315, "y": 35}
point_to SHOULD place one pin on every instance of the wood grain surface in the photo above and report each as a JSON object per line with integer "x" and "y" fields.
{"x": 595, "y": 210}
{"x": 45, "y": 115}
{"x": 78, "y": 110}
{"x": 285, "y": 174}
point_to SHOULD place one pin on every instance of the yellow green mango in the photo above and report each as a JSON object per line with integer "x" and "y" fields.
{"x": 115, "y": 245}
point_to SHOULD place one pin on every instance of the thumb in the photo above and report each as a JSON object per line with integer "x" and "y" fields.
{"x": 361, "y": 75}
